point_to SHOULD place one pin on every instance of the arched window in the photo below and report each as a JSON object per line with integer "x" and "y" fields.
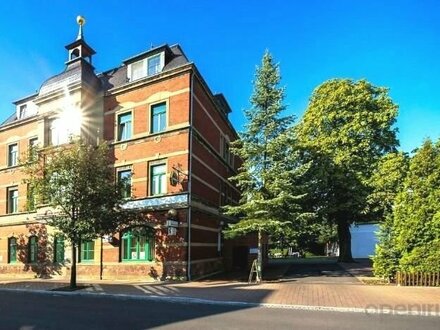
{"x": 138, "y": 244}
{"x": 74, "y": 54}
{"x": 58, "y": 253}
{"x": 12, "y": 250}
{"x": 33, "y": 249}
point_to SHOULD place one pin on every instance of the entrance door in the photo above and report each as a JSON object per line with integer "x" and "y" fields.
{"x": 240, "y": 257}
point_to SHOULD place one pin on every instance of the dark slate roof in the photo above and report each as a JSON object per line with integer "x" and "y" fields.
{"x": 118, "y": 76}
{"x": 69, "y": 76}
{"x": 82, "y": 71}
{"x": 25, "y": 99}
{"x": 178, "y": 58}
{"x": 10, "y": 119}
{"x": 150, "y": 52}
{"x": 222, "y": 103}
{"x": 79, "y": 70}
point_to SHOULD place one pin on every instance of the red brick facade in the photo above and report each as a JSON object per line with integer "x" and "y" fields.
{"x": 188, "y": 141}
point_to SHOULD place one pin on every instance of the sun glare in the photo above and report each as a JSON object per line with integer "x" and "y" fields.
{"x": 70, "y": 119}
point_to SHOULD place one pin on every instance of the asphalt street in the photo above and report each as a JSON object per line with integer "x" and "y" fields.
{"x": 20, "y": 310}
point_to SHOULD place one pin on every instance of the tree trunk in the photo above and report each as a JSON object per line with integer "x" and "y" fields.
{"x": 73, "y": 268}
{"x": 259, "y": 258}
{"x": 344, "y": 237}
{"x": 101, "y": 260}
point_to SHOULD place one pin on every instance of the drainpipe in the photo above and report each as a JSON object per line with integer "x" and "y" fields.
{"x": 191, "y": 100}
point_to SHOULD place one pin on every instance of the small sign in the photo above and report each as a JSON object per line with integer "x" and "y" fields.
{"x": 253, "y": 250}
{"x": 172, "y": 223}
{"x": 172, "y": 231}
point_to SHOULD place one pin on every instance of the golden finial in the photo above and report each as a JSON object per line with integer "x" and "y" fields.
{"x": 81, "y": 21}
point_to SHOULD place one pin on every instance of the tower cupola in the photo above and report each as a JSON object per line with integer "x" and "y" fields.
{"x": 79, "y": 49}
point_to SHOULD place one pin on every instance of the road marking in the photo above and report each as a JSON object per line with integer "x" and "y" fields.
{"x": 191, "y": 300}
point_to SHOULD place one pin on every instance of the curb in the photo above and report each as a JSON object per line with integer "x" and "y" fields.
{"x": 191, "y": 300}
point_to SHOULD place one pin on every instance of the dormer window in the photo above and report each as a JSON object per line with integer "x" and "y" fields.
{"x": 22, "y": 111}
{"x": 146, "y": 67}
{"x": 153, "y": 64}
{"x": 137, "y": 70}
{"x": 26, "y": 109}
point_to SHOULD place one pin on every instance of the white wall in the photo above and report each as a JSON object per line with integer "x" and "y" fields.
{"x": 363, "y": 239}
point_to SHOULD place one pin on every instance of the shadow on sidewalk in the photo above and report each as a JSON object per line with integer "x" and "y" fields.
{"x": 322, "y": 270}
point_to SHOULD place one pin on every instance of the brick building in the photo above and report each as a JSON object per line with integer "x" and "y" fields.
{"x": 170, "y": 137}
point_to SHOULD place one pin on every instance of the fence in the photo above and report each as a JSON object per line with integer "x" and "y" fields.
{"x": 418, "y": 279}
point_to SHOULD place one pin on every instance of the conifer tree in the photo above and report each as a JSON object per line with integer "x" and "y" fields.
{"x": 410, "y": 238}
{"x": 269, "y": 177}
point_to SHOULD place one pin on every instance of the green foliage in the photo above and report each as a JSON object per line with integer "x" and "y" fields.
{"x": 423, "y": 259}
{"x": 270, "y": 174}
{"x": 77, "y": 181}
{"x": 413, "y": 232}
{"x": 271, "y": 168}
{"x": 386, "y": 181}
{"x": 386, "y": 257}
{"x": 345, "y": 131}
{"x": 417, "y": 208}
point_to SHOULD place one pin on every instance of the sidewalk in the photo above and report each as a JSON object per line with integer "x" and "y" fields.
{"x": 339, "y": 297}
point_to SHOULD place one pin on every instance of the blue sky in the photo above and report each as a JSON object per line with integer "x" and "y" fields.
{"x": 390, "y": 43}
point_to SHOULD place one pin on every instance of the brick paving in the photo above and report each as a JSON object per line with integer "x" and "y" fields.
{"x": 332, "y": 294}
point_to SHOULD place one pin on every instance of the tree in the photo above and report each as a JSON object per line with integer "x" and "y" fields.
{"x": 346, "y": 129}
{"x": 77, "y": 181}
{"x": 269, "y": 174}
{"x": 416, "y": 214}
{"x": 386, "y": 182}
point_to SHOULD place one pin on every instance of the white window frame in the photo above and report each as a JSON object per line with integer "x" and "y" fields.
{"x": 12, "y": 204}
{"x": 150, "y": 120}
{"x": 144, "y": 63}
{"x": 15, "y": 158}
{"x": 117, "y": 115}
{"x": 120, "y": 170}
{"x": 22, "y": 111}
{"x": 150, "y": 178}
{"x": 31, "y": 143}
{"x": 55, "y": 136}
{"x": 159, "y": 68}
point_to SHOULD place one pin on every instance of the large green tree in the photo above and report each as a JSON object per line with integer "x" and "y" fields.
{"x": 269, "y": 176}
{"x": 76, "y": 180}
{"x": 385, "y": 182}
{"x": 415, "y": 227}
{"x": 346, "y": 129}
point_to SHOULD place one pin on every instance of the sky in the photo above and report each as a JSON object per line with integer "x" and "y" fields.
{"x": 395, "y": 44}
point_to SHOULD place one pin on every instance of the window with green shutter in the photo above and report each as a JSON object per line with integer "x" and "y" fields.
{"x": 33, "y": 249}
{"x": 12, "y": 250}
{"x": 87, "y": 251}
{"x": 138, "y": 244}
{"x": 58, "y": 252}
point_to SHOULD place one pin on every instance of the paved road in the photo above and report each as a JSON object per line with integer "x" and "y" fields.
{"x": 54, "y": 311}
{"x": 319, "y": 273}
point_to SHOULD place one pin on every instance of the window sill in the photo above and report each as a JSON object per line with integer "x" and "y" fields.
{"x": 147, "y": 135}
